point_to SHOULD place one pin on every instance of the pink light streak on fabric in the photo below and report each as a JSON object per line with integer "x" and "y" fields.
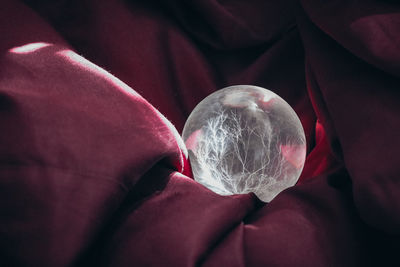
{"x": 75, "y": 59}
{"x": 28, "y": 48}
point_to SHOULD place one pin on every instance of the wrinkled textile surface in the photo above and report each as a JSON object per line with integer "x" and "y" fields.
{"x": 94, "y": 94}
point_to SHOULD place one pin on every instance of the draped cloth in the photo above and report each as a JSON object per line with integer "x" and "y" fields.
{"x": 94, "y": 95}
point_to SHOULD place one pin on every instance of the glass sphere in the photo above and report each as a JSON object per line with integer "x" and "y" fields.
{"x": 245, "y": 139}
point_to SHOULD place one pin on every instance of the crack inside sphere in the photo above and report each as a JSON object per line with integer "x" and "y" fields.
{"x": 244, "y": 139}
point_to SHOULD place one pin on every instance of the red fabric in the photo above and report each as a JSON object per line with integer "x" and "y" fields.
{"x": 92, "y": 173}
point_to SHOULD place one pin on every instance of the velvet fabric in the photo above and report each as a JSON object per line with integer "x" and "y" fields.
{"x": 94, "y": 94}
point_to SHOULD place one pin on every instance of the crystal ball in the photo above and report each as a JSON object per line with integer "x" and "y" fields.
{"x": 243, "y": 139}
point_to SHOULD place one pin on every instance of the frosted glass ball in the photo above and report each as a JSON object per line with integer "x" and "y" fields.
{"x": 243, "y": 139}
